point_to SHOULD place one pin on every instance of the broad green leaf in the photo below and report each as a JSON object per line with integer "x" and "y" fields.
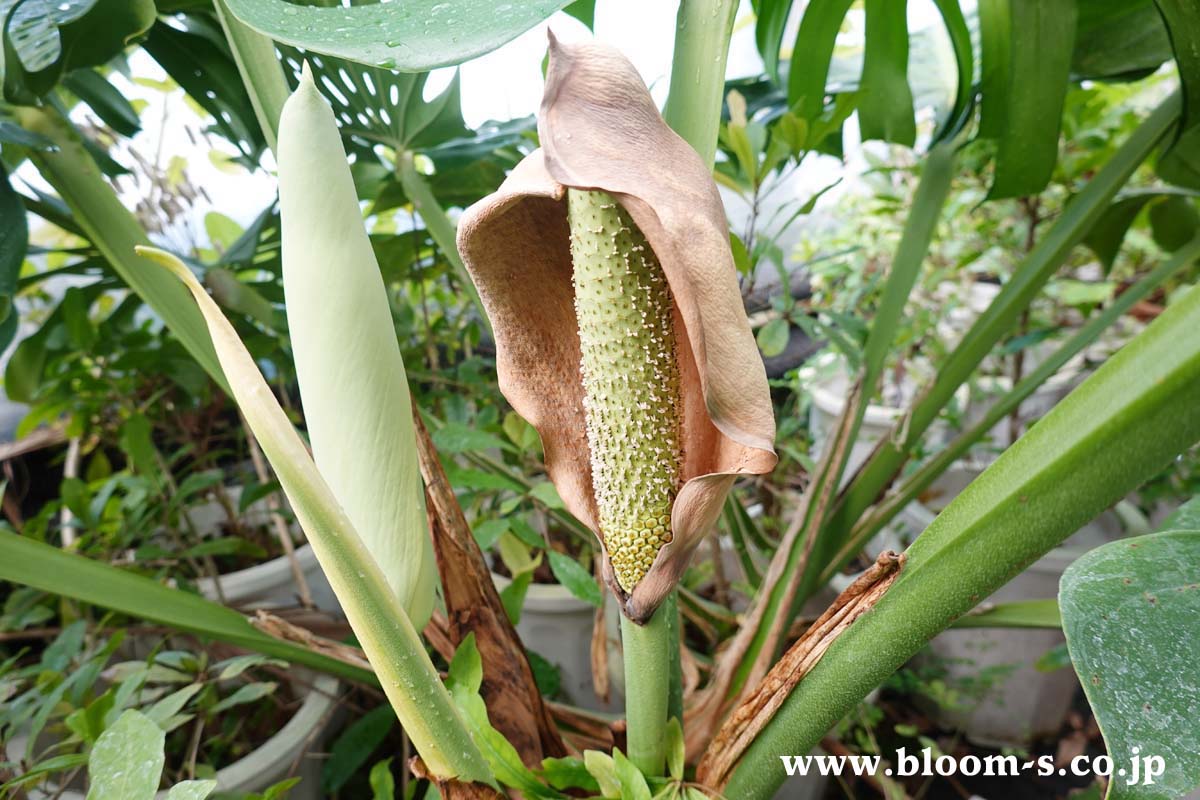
{"x": 14, "y": 239}
{"x": 191, "y": 790}
{"x": 568, "y": 772}
{"x": 811, "y": 54}
{"x": 675, "y": 754}
{"x": 1119, "y": 39}
{"x": 420, "y": 35}
{"x": 1180, "y": 163}
{"x": 602, "y": 767}
{"x": 577, "y": 580}
{"x": 33, "y": 25}
{"x": 633, "y": 782}
{"x": 383, "y": 785}
{"x": 357, "y": 407}
{"x": 49, "y": 569}
{"x": 1174, "y": 221}
{"x": 1038, "y": 64}
{"x": 773, "y": 337}
{"x": 1122, "y": 425}
{"x": 1186, "y": 517}
{"x": 379, "y": 621}
{"x": 127, "y": 761}
{"x": 1131, "y": 614}
{"x": 354, "y": 746}
{"x": 465, "y": 678}
{"x": 964, "y": 57}
{"x": 885, "y": 110}
{"x": 108, "y": 103}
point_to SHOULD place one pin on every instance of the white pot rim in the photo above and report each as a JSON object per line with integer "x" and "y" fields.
{"x": 547, "y": 598}
{"x": 252, "y": 581}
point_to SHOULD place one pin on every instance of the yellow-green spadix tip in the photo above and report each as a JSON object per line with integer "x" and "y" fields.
{"x": 630, "y": 377}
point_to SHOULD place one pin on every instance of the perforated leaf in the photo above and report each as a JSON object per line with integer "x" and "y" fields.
{"x": 377, "y": 105}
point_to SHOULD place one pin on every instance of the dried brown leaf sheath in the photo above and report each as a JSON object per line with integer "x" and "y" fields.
{"x": 600, "y": 130}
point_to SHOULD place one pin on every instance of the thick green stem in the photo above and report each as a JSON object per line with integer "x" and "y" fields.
{"x": 647, "y": 687}
{"x": 438, "y": 224}
{"x": 115, "y": 232}
{"x": 259, "y": 67}
{"x": 702, "y": 31}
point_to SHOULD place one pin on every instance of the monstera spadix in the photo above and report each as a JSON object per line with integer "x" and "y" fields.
{"x": 604, "y": 264}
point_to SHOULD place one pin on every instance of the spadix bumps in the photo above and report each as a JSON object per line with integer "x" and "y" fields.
{"x": 604, "y": 265}
{"x": 630, "y": 377}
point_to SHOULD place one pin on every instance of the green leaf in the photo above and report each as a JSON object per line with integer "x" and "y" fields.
{"x": 1122, "y": 425}
{"x": 1174, "y": 222}
{"x": 577, "y": 580}
{"x": 383, "y": 785}
{"x": 1180, "y": 162}
{"x": 127, "y": 761}
{"x": 568, "y": 773}
{"x": 770, "y": 18}
{"x": 456, "y": 437}
{"x": 1122, "y": 39}
{"x": 1017, "y": 614}
{"x": 422, "y": 35}
{"x": 773, "y": 337}
{"x": 964, "y": 57}
{"x": 464, "y": 679}
{"x": 885, "y": 109}
{"x": 379, "y": 621}
{"x": 675, "y": 754}
{"x": 1184, "y": 518}
{"x": 250, "y": 693}
{"x": 602, "y": 767}
{"x": 191, "y": 790}
{"x": 109, "y": 104}
{"x": 233, "y": 667}
{"x": 32, "y": 29}
{"x": 354, "y": 746}
{"x": 633, "y": 782}
{"x": 811, "y": 55}
{"x": 14, "y": 239}
{"x": 1035, "y": 69}
{"x": 165, "y": 709}
{"x": 1131, "y": 614}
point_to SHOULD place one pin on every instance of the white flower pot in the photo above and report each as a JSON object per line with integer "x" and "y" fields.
{"x": 558, "y": 627}
{"x": 305, "y": 732}
{"x": 271, "y": 584}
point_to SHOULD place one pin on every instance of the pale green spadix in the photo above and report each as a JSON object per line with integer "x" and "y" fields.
{"x": 352, "y": 382}
{"x": 630, "y": 377}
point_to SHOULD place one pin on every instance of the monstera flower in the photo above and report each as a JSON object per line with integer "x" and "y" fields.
{"x": 604, "y": 264}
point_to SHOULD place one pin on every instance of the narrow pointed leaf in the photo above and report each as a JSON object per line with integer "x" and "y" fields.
{"x": 379, "y": 621}
{"x": 886, "y": 108}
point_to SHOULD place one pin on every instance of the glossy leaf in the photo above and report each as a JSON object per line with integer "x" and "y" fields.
{"x": 1119, "y": 39}
{"x": 1130, "y": 418}
{"x": 885, "y": 109}
{"x": 1131, "y": 614}
{"x": 191, "y": 790}
{"x": 49, "y": 569}
{"x": 14, "y": 241}
{"x": 811, "y": 55}
{"x": 964, "y": 57}
{"x": 32, "y": 29}
{"x": 1036, "y": 67}
{"x": 1180, "y": 163}
{"x": 109, "y": 104}
{"x": 577, "y": 580}
{"x": 413, "y": 37}
{"x": 127, "y": 761}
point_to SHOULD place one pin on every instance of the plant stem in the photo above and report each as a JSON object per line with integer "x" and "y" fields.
{"x": 702, "y": 31}
{"x": 260, "y": 71}
{"x": 647, "y": 654}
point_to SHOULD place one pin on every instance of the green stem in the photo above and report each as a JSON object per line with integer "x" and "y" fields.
{"x": 702, "y": 31}
{"x": 259, "y": 67}
{"x": 115, "y": 232}
{"x": 646, "y": 650}
{"x": 438, "y": 224}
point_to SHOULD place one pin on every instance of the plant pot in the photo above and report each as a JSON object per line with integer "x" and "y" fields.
{"x": 271, "y": 584}
{"x": 304, "y": 733}
{"x": 558, "y": 627}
